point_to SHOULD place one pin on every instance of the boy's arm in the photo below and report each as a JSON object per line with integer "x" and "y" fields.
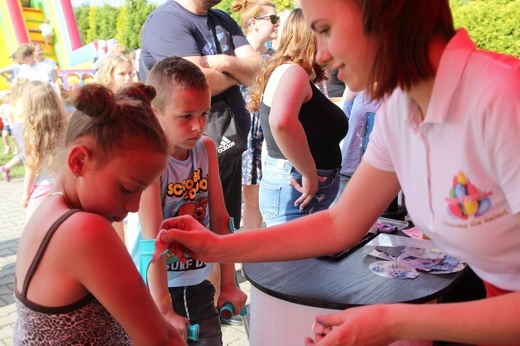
{"x": 219, "y": 217}
{"x": 150, "y": 217}
{"x": 219, "y": 221}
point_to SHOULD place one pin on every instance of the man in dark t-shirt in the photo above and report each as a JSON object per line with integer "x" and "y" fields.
{"x": 184, "y": 28}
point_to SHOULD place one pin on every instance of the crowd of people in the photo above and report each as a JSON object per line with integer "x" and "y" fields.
{"x": 136, "y": 146}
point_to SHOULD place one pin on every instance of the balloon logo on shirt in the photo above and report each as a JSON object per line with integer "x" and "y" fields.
{"x": 466, "y": 199}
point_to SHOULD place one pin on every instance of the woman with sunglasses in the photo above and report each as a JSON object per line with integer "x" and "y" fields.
{"x": 273, "y": 18}
{"x": 260, "y": 23}
{"x": 447, "y": 134}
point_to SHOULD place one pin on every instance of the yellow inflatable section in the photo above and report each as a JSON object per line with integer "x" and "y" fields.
{"x": 20, "y": 22}
{"x": 7, "y": 40}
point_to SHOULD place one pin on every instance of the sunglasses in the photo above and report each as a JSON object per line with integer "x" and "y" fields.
{"x": 272, "y": 17}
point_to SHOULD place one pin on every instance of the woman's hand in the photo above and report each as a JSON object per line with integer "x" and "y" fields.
{"x": 367, "y": 325}
{"x": 308, "y": 189}
{"x": 183, "y": 235}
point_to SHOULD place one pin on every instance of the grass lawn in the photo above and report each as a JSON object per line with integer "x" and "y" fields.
{"x": 17, "y": 171}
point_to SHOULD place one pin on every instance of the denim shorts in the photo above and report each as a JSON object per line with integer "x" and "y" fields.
{"x": 343, "y": 181}
{"x": 198, "y": 305}
{"x": 277, "y": 197}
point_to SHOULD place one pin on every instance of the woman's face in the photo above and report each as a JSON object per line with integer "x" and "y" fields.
{"x": 341, "y": 42}
{"x": 263, "y": 25}
{"x": 122, "y": 74}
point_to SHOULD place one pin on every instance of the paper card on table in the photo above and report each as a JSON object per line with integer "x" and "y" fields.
{"x": 393, "y": 270}
{"x": 414, "y": 232}
{"x": 394, "y": 241}
{"x": 420, "y": 254}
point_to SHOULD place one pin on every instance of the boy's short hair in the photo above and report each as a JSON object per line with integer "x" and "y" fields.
{"x": 174, "y": 73}
{"x": 24, "y": 50}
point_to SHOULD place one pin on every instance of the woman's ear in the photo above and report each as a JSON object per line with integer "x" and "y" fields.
{"x": 77, "y": 159}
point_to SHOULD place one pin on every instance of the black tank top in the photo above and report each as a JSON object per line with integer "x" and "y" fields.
{"x": 325, "y": 125}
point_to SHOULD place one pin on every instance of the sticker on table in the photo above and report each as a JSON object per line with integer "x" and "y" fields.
{"x": 414, "y": 233}
{"x": 431, "y": 253}
{"x": 393, "y": 270}
{"x": 448, "y": 265}
{"x": 419, "y": 263}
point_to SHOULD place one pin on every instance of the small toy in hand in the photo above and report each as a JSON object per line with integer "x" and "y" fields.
{"x": 160, "y": 247}
{"x": 193, "y": 331}
{"x": 227, "y": 311}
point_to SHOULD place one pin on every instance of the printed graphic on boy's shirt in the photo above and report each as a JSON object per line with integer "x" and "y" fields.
{"x": 465, "y": 199}
{"x": 189, "y": 197}
{"x": 189, "y": 202}
{"x": 196, "y": 209}
{"x": 189, "y": 187}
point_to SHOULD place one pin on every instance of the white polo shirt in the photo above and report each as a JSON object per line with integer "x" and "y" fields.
{"x": 460, "y": 168}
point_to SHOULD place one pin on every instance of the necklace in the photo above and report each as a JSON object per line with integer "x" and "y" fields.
{"x": 59, "y": 193}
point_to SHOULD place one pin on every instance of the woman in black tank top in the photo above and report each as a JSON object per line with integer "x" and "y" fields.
{"x": 302, "y": 129}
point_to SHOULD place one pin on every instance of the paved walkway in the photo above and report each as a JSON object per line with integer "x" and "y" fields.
{"x": 12, "y": 220}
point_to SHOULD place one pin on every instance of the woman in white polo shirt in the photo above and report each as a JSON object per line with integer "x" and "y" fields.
{"x": 447, "y": 134}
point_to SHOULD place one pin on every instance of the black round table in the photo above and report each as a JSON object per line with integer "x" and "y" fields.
{"x": 286, "y": 296}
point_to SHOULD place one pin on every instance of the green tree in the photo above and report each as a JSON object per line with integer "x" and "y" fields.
{"x": 492, "y": 24}
{"x": 101, "y": 23}
{"x": 93, "y": 24}
{"x": 107, "y": 25}
{"x": 81, "y": 14}
{"x": 130, "y": 20}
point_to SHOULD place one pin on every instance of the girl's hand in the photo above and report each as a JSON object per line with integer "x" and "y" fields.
{"x": 25, "y": 199}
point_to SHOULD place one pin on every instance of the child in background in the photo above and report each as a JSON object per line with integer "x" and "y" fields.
{"x": 66, "y": 289}
{"x": 5, "y": 114}
{"x": 114, "y": 71}
{"x": 10, "y": 72}
{"x": 43, "y": 131}
{"x": 46, "y": 30}
{"x": 30, "y": 68}
{"x": 39, "y": 56}
{"x": 189, "y": 186}
{"x": 16, "y": 120}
